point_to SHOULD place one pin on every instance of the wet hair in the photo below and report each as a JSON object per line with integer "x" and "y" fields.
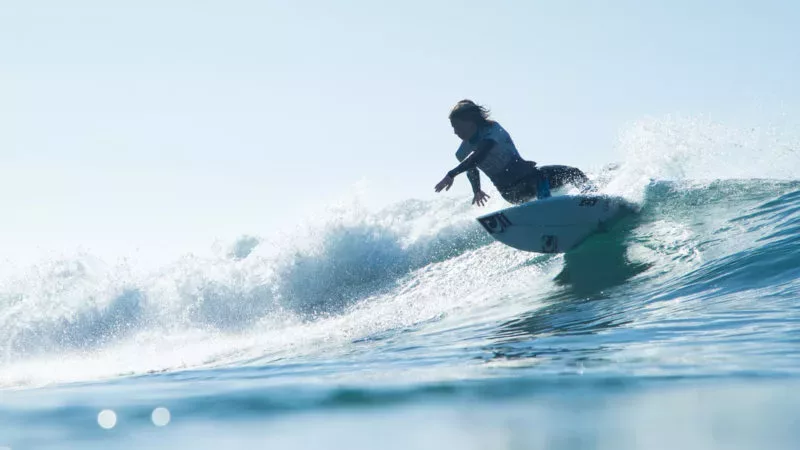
{"x": 470, "y": 111}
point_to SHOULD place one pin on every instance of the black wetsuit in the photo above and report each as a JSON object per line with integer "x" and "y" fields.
{"x": 529, "y": 187}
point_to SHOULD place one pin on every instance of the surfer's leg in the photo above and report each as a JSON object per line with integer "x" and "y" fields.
{"x": 558, "y": 176}
{"x": 521, "y": 191}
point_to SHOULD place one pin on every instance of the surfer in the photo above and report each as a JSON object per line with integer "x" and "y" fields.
{"x": 488, "y": 146}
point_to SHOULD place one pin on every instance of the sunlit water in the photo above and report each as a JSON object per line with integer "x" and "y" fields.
{"x": 410, "y": 328}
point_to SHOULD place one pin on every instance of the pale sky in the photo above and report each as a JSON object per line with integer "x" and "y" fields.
{"x": 172, "y": 123}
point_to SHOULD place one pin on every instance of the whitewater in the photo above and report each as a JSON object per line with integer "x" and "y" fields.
{"x": 407, "y": 326}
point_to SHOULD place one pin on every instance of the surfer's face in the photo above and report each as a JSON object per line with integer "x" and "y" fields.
{"x": 464, "y": 129}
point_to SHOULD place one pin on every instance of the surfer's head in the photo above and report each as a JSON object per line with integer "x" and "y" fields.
{"x": 467, "y": 118}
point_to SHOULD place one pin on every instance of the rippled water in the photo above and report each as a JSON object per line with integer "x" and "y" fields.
{"x": 410, "y": 328}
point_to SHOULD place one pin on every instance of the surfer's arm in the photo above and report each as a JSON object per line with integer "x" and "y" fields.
{"x": 474, "y": 178}
{"x": 473, "y": 159}
{"x": 468, "y": 165}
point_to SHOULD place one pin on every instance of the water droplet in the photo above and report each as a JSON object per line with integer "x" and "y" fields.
{"x": 107, "y": 419}
{"x": 160, "y": 417}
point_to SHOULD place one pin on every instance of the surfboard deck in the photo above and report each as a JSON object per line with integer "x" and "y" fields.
{"x": 556, "y": 224}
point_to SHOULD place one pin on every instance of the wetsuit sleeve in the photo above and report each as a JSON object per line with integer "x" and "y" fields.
{"x": 474, "y": 178}
{"x": 474, "y": 158}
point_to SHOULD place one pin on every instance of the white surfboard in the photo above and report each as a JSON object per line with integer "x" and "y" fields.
{"x": 556, "y": 224}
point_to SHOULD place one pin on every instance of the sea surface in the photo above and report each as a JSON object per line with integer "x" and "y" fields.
{"x": 409, "y": 327}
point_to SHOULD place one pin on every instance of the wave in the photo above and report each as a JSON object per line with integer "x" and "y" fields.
{"x": 82, "y": 304}
{"x": 360, "y": 274}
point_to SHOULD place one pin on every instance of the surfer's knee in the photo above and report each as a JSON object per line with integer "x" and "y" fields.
{"x": 582, "y": 182}
{"x": 576, "y": 176}
{"x": 515, "y": 198}
{"x": 519, "y": 193}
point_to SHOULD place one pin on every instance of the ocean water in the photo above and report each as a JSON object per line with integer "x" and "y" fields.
{"x": 408, "y": 327}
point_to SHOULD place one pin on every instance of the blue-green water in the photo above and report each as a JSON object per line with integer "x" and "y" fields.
{"x": 410, "y": 328}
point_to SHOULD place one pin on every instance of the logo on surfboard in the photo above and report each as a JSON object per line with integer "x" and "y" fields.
{"x": 496, "y": 223}
{"x": 549, "y": 244}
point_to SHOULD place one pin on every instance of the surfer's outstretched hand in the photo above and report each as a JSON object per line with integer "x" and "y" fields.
{"x": 445, "y": 184}
{"x": 480, "y": 198}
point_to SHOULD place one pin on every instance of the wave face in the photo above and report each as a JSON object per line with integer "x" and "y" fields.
{"x": 365, "y": 324}
{"x": 703, "y": 279}
{"x": 712, "y": 248}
